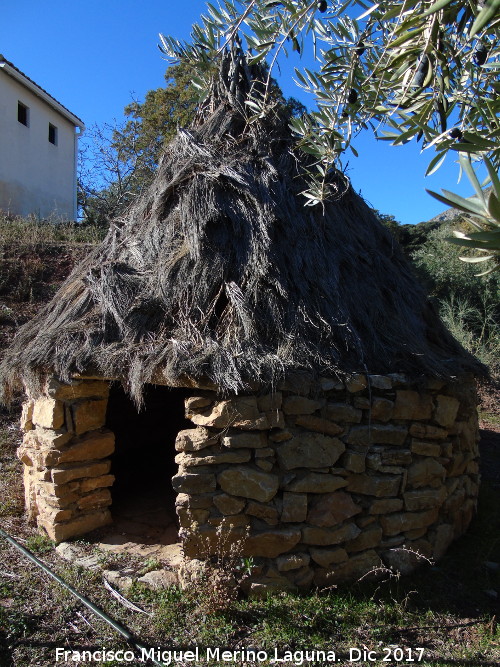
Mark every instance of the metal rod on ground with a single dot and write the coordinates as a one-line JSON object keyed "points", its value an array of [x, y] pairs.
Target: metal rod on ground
{"points": [[99, 612]]}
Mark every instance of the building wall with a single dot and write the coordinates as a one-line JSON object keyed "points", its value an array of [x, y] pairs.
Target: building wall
{"points": [[36, 177]]}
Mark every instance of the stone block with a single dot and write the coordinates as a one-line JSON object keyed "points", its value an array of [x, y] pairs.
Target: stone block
{"points": [[362, 402], [381, 409], [271, 543], [318, 424], [228, 504], [195, 439], [392, 524], [49, 438], [59, 490], [331, 509], [314, 482], [264, 464], [194, 483], [67, 473], [331, 384], [88, 415], [362, 566], [427, 472], [275, 419], [326, 536], [370, 538], [387, 434], [415, 534], [422, 499], [203, 501], [27, 415], [374, 485], [77, 526], [92, 446], [249, 483], [354, 461], [97, 499], [227, 413], [357, 382], [280, 436], [446, 410], [270, 402], [196, 403], [77, 389], [159, 580], [386, 506], [396, 457], [264, 453], [96, 483], [342, 412], [48, 413], [245, 440], [51, 513], [266, 513], [442, 540], [326, 557], [428, 432], [188, 460], [412, 405], [188, 516], [424, 448], [292, 561], [299, 405], [310, 450], [61, 503], [294, 507], [403, 559], [380, 382]]}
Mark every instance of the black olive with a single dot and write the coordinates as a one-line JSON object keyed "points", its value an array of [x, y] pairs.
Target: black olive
{"points": [[322, 5], [360, 48], [455, 133], [480, 54], [421, 73], [352, 97]]}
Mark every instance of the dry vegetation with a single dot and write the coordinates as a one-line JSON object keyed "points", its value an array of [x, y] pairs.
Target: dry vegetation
{"points": [[450, 609]]}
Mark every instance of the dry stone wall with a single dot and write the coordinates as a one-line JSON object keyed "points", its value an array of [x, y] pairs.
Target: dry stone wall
{"points": [[322, 488], [319, 484], [66, 452]]}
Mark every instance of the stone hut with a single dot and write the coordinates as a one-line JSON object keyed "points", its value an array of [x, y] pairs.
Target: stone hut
{"points": [[309, 402]]}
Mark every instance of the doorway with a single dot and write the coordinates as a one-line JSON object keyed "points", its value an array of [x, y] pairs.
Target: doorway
{"points": [[143, 464]]}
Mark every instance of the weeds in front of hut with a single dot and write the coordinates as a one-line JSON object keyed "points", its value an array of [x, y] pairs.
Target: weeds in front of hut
{"points": [[216, 581]]}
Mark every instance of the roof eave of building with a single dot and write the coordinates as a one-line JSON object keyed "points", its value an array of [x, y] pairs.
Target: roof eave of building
{"points": [[42, 94]]}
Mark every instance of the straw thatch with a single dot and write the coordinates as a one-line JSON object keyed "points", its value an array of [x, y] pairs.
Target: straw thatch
{"points": [[219, 271]]}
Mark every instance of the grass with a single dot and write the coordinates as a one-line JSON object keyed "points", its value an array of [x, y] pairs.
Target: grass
{"points": [[444, 609], [31, 232]]}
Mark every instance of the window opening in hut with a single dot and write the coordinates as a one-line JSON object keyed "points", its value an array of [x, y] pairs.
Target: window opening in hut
{"points": [[143, 504]]}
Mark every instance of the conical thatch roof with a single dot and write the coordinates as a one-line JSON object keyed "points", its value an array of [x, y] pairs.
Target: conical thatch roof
{"points": [[220, 271]]}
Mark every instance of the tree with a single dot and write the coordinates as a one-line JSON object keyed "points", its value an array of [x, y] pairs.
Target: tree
{"points": [[415, 70], [118, 161]]}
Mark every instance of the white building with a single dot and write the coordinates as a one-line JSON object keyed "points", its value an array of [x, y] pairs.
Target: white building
{"points": [[38, 149]]}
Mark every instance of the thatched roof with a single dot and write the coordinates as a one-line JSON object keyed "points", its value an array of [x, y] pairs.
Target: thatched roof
{"points": [[219, 271]]}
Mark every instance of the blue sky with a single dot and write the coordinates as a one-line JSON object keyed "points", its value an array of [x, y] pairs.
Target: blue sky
{"points": [[95, 56]]}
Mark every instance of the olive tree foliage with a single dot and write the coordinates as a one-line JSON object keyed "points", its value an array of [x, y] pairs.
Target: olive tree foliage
{"points": [[419, 70]]}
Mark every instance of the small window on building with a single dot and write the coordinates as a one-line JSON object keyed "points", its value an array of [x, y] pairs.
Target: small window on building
{"points": [[53, 134], [23, 114]]}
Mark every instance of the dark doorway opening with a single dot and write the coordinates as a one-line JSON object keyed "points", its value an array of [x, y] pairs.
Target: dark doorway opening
{"points": [[143, 505]]}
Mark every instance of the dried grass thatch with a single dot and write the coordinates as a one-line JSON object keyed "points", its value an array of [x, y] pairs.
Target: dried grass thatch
{"points": [[219, 271]]}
